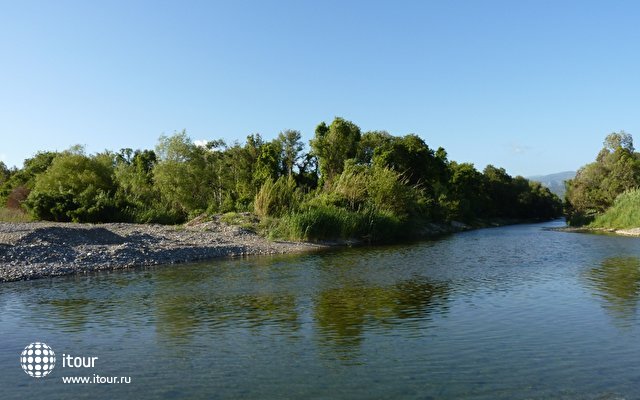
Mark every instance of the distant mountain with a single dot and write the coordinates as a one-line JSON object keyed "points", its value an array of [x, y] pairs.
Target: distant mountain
{"points": [[555, 182]]}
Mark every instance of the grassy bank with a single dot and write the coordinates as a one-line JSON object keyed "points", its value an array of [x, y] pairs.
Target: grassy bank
{"points": [[623, 214], [335, 225]]}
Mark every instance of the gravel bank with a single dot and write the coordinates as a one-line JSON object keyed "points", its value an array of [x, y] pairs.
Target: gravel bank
{"points": [[43, 249], [635, 232]]}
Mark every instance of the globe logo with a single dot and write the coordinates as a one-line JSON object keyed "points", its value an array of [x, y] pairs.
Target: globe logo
{"points": [[38, 359]]}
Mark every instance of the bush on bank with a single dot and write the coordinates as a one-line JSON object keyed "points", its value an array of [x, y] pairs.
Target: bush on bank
{"points": [[624, 213]]}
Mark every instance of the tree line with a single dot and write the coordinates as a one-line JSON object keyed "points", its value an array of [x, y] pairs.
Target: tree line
{"points": [[371, 185]]}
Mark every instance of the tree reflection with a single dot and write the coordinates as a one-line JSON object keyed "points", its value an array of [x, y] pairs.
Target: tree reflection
{"points": [[71, 314], [617, 281], [200, 300], [79, 304], [343, 315], [181, 316]]}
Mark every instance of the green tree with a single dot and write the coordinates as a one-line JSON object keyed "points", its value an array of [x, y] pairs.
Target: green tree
{"points": [[239, 163], [411, 156], [17, 186], [5, 173], [74, 188], [616, 140], [268, 163], [333, 145], [371, 142], [37, 164], [498, 189], [467, 193], [596, 185], [291, 143], [137, 193], [187, 175]]}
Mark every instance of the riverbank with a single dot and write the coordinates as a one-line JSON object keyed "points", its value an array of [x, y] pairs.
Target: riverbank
{"points": [[43, 249], [634, 232], [32, 250]]}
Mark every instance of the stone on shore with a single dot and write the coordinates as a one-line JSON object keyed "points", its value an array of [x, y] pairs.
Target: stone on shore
{"points": [[42, 249]]}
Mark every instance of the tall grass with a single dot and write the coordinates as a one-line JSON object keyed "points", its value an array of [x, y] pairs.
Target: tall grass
{"points": [[13, 215], [275, 198], [330, 222], [624, 213]]}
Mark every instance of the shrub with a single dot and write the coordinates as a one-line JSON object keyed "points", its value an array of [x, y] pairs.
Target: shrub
{"points": [[74, 188], [330, 222], [624, 213], [276, 198], [389, 192], [360, 187], [160, 214], [351, 186]]}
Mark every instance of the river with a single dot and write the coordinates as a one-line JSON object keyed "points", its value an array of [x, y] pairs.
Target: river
{"points": [[517, 312]]}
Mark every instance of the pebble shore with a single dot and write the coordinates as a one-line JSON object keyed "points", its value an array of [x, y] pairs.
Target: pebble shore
{"points": [[44, 249], [633, 232]]}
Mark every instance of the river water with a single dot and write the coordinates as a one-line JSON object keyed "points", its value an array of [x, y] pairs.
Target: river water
{"points": [[518, 312]]}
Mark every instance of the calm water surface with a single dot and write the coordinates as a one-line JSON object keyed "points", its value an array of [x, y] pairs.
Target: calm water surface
{"points": [[517, 312]]}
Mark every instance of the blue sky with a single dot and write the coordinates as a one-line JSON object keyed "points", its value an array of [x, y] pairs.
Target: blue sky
{"points": [[533, 86]]}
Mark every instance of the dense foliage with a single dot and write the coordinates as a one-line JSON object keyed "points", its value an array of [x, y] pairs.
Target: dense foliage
{"points": [[350, 184], [624, 213], [598, 184]]}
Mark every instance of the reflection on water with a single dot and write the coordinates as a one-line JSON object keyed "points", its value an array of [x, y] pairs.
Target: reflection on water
{"points": [[190, 301], [73, 313], [185, 306], [617, 281], [506, 313], [179, 317], [343, 314]]}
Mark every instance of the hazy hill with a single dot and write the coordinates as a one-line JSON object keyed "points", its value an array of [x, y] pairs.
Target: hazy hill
{"points": [[555, 182]]}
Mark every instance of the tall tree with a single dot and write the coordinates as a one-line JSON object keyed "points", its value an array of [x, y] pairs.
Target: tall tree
{"points": [[616, 140], [188, 175], [291, 142], [596, 185], [333, 145]]}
